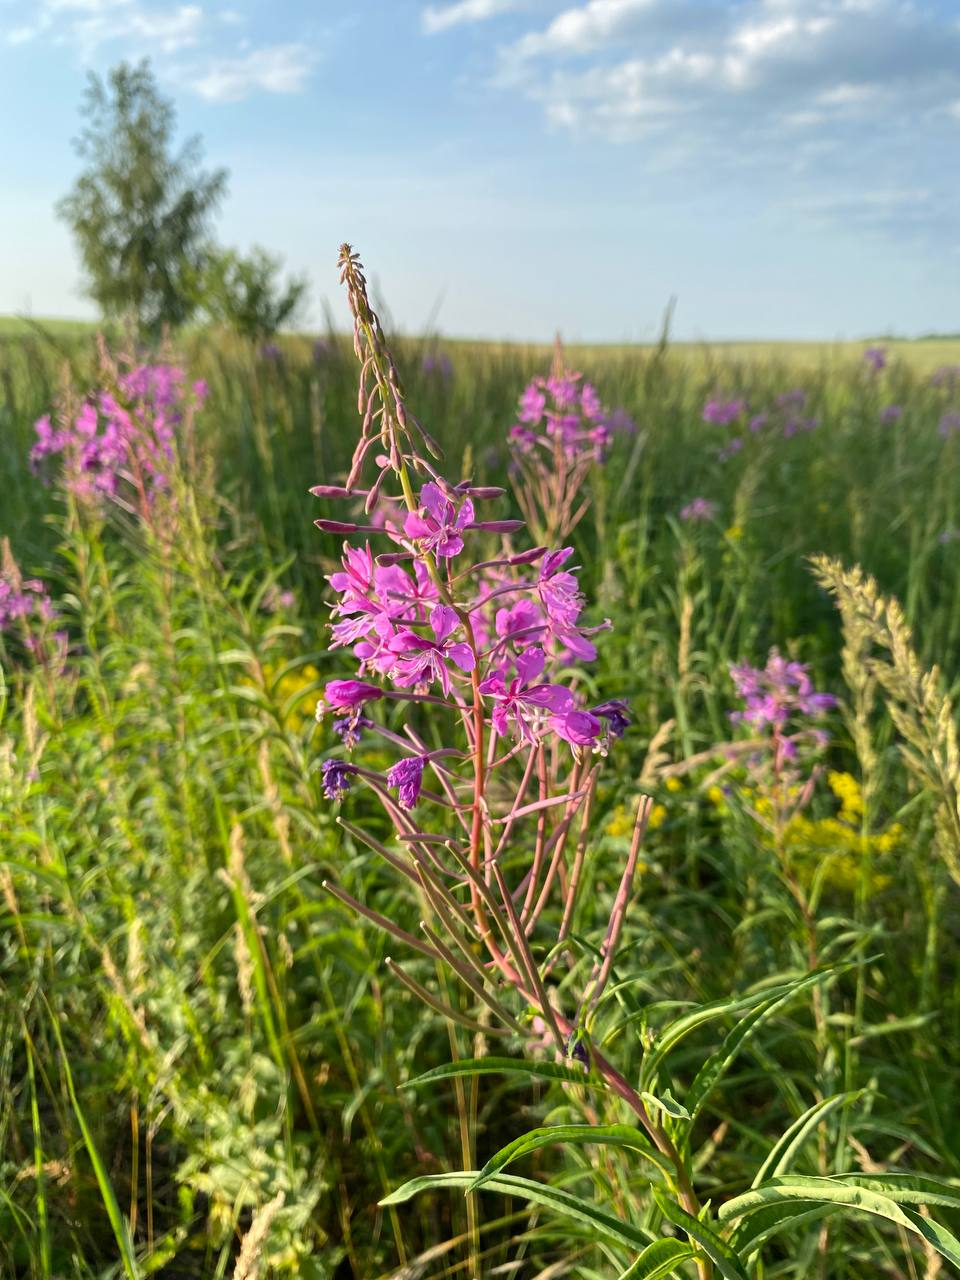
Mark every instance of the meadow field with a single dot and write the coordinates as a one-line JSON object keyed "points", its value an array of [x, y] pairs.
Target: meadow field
{"points": [[206, 1058]]}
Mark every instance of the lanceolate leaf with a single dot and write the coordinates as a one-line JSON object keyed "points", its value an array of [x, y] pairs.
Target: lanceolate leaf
{"points": [[671, 1035], [788, 1146], [500, 1066], [658, 1260], [846, 1194], [701, 1233], [553, 1198], [611, 1135], [755, 1229], [716, 1066]]}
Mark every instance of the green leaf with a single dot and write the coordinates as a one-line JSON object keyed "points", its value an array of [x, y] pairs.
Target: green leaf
{"points": [[559, 1201], [611, 1135], [717, 1065], [667, 1104], [756, 1228], [713, 1245], [847, 1193], [674, 1032], [788, 1146], [906, 1188], [500, 1066], [658, 1260]]}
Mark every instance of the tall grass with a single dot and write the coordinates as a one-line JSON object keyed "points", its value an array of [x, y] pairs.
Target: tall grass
{"points": [[204, 1057]]}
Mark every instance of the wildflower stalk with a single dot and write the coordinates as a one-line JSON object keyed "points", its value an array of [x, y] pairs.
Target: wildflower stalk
{"points": [[492, 681]]}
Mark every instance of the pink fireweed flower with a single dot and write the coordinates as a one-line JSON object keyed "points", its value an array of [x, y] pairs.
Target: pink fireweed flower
{"points": [[559, 590], [355, 582], [533, 402], [440, 529], [579, 728], [698, 509], [778, 692], [404, 597], [350, 694], [407, 777], [723, 412], [522, 701], [422, 661]]}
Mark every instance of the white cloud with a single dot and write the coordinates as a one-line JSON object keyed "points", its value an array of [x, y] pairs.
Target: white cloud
{"points": [[618, 66], [435, 18], [88, 24], [162, 28], [281, 68], [587, 27]]}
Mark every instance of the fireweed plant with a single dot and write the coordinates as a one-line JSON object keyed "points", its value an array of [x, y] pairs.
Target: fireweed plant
{"points": [[493, 831], [561, 436]]}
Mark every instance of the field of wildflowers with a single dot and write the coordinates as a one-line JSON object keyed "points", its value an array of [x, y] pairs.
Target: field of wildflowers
{"points": [[510, 830]]}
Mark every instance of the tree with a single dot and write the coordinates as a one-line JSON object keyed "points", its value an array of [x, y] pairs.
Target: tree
{"points": [[140, 211], [246, 294]]}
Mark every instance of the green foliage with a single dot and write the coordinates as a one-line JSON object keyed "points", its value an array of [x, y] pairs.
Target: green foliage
{"points": [[140, 211], [245, 293], [237, 1048]]}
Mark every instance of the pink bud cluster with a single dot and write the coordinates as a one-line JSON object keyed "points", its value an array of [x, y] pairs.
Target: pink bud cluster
{"points": [[120, 440]]}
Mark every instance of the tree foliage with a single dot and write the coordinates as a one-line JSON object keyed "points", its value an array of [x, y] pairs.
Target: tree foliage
{"points": [[140, 210], [246, 294]]}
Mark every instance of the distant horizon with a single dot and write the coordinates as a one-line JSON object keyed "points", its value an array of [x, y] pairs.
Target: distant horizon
{"points": [[314, 331]]}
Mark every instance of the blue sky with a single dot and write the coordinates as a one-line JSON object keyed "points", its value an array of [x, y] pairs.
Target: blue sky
{"points": [[785, 168]]}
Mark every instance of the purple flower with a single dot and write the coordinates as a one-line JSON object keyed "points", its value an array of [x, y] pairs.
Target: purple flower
{"points": [[949, 425], [730, 449], [441, 528], [698, 509], [522, 701], [619, 422], [423, 661], [892, 413], [350, 694], [407, 776], [563, 388], [559, 590], [347, 728], [579, 728], [948, 375], [533, 402], [337, 778], [590, 402], [777, 693], [876, 358], [437, 364], [616, 715], [723, 412]]}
